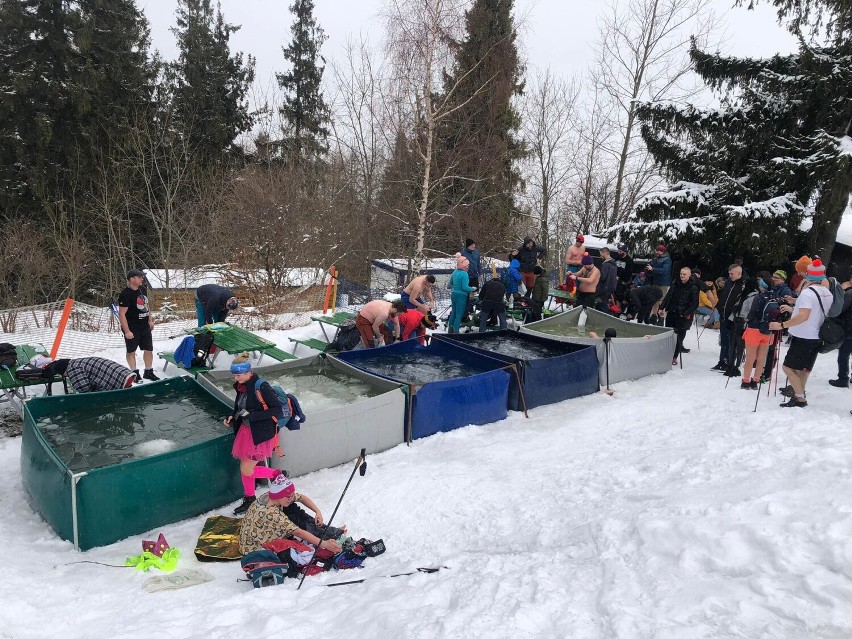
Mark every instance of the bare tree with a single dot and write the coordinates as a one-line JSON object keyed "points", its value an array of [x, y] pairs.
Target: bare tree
{"points": [[420, 35], [549, 130], [642, 54]]}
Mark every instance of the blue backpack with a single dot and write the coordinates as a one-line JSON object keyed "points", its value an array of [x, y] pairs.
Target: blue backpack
{"points": [[763, 310], [291, 415], [185, 352], [264, 568]]}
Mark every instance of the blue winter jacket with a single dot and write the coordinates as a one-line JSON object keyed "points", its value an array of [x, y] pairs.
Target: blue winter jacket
{"points": [[515, 276], [459, 282], [475, 268], [662, 270]]}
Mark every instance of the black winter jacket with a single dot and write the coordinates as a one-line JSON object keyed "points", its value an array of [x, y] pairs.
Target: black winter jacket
{"points": [[263, 422], [492, 291], [609, 278], [681, 299], [730, 299], [528, 257], [214, 298]]}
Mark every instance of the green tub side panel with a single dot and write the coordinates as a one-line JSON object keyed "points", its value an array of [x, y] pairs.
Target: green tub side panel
{"points": [[117, 501], [135, 496], [46, 479]]}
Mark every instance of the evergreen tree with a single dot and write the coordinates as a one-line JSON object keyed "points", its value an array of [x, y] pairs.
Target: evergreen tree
{"points": [[117, 77], [478, 148], [209, 84], [747, 175], [38, 128], [304, 112]]}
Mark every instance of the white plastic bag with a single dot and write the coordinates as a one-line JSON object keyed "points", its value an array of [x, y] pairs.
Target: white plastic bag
{"points": [[522, 289]]}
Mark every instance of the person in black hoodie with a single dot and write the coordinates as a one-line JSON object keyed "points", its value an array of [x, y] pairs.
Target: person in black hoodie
{"points": [[528, 255], [730, 300], [607, 282], [680, 301], [491, 303]]}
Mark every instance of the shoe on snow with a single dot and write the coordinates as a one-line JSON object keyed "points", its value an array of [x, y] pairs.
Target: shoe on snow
{"points": [[243, 507]]}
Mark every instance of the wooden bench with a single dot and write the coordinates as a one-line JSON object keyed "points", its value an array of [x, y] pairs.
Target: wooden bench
{"points": [[336, 320], [277, 353], [316, 344], [169, 358]]}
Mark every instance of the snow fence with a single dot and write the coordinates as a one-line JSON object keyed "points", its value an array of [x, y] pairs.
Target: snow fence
{"points": [[636, 351], [334, 435], [480, 397], [571, 370], [98, 506]]}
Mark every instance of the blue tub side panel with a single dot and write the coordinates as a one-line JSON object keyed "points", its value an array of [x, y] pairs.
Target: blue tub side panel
{"points": [[551, 380], [445, 406]]}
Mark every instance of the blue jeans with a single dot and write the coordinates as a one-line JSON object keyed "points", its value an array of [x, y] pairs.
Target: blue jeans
{"points": [[843, 358], [712, 312]]}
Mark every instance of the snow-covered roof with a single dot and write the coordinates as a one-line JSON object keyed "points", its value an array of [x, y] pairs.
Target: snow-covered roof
{"points": [[434, 263], [213, 274]]}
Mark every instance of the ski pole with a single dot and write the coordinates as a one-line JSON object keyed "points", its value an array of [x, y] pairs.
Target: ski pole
{"points": [[361, 466]]}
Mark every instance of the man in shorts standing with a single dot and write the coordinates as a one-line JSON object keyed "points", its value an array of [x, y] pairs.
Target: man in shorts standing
{"points": [[804, 325], [136, 324]]}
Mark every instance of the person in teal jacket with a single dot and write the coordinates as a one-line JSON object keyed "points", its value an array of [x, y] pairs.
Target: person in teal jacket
{"points": [[461, 290]]}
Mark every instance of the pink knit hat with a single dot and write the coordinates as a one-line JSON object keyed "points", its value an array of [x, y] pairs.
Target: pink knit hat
{"points": [[281, 487], [462, 262]]}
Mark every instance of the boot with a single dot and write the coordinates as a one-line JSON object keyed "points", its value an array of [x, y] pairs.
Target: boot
{"points": [[732, 371], [721, 366], [684, 350], [794, 402], [243, 507], [149, 374], [138, 378], [840, 382]]}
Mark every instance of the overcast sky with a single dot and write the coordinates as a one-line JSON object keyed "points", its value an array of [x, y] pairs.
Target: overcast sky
{"points": [[557, 33]]}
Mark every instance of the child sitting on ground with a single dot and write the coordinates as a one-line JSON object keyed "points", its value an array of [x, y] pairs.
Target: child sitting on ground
{"points": [[276, 515]]}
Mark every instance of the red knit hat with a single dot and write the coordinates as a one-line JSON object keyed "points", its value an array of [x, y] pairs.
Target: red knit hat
{"points": [[816, 271], [281, 487], [662, 249], [580, 238]]}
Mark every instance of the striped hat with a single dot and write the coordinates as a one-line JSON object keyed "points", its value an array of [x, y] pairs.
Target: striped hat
{"points": [[816, 271]]}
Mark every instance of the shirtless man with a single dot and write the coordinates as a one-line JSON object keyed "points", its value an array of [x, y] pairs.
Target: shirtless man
{"points": [[412, 294]]}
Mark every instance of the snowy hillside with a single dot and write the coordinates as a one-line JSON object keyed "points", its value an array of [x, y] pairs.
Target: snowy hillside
{"points": [[669, 510]]}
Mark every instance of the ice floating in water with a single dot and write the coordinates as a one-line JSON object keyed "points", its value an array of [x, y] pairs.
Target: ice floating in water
{"points": [[104, 434], [153, 447]]}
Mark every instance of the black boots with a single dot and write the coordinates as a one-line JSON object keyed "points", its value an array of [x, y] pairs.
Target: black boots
{"points": [[243, 507], [149, 374]]}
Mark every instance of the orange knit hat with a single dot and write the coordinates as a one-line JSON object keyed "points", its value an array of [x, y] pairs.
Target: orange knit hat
{"points": [[803, 263]]}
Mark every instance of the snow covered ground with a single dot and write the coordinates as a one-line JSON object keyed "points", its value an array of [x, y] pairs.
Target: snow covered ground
{"points": [[669, 510]]}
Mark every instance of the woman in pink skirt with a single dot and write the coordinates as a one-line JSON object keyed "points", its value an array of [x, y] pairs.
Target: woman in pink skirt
{"points": [[255, 422]]}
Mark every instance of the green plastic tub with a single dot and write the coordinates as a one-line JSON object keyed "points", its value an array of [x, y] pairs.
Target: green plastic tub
{"points": [[100, 467]]}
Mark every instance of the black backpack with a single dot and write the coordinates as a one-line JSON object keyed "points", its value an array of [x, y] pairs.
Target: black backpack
{"points": [[8, 355], [203, 344], [347, 337]]}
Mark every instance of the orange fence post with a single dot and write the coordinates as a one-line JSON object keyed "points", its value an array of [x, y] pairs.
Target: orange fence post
{"points": [[334, 293], [331, 278], [63, 322]]}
